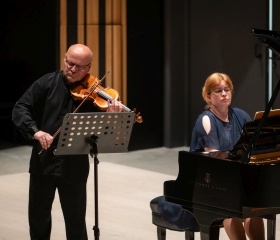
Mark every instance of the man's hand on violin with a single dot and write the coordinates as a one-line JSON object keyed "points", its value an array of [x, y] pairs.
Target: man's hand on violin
{"points": [[44, 138], [114, 106]]}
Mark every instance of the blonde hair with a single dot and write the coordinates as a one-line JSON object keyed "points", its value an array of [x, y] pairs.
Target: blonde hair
{"points": [[211, 82]]}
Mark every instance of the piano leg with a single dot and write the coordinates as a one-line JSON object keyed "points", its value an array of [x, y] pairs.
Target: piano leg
{"points": [[189, 235], [271, 227], [161, 233], [209, 233]]}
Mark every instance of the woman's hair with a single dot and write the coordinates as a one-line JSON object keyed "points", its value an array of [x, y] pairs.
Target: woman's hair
{"points": [[211, 82]]}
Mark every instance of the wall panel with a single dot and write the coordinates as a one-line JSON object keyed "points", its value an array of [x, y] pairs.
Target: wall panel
{"points": [[105, 36]]}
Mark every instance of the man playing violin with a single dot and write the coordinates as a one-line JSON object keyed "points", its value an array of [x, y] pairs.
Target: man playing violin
{"points": [[38, 114]]}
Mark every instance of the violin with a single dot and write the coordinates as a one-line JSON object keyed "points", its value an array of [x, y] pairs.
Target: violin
{"points": [[90, 89]]}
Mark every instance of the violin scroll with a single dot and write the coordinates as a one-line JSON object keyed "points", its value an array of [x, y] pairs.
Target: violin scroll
{"points": [[138, 117]]}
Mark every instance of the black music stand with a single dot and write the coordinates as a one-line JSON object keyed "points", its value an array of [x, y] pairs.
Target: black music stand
{"points": [[90, 133]]}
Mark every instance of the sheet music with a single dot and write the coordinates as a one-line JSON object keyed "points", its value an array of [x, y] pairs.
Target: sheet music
{"points": [[272, 113]]}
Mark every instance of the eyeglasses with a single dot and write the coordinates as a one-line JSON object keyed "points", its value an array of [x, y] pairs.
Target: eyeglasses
{"points": [[220, 91], [79, 67]]}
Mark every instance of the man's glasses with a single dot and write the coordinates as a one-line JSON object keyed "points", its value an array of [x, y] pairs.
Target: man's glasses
{"points": [[219, 91], [79, 67]]}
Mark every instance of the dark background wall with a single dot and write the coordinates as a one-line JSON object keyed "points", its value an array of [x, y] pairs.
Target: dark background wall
{"points": [[145, 76], [221, 41], [28, 34], [28, 48], [172, 46]]}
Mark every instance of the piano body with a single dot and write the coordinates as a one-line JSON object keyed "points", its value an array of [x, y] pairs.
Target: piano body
{"points": [[214, 189], [243, 182]]}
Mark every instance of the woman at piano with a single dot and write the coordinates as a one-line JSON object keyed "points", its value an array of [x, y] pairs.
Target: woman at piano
{"points": [[219, 127]]}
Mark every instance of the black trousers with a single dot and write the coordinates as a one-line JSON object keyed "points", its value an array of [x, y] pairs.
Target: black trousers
{"points": [[72, 196]]}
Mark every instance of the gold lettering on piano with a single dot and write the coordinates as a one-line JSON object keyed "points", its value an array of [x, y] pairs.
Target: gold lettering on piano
{"points": [[207, 177], [200, 184], [207, 183]]}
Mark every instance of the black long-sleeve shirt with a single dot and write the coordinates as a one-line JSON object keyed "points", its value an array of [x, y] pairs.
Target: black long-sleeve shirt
{"points": [[42, 107]]}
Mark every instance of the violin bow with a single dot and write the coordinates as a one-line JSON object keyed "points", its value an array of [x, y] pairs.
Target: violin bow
{"points": [[77, 108]]}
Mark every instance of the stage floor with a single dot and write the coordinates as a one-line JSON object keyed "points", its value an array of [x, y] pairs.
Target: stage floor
{"points": [[126, 181]]}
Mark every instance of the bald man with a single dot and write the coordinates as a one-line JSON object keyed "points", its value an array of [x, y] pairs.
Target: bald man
{"points": [[38, 114]]}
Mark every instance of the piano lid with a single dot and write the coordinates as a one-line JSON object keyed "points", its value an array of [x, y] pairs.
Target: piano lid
{"points": [[268, 37], [272, 40]]}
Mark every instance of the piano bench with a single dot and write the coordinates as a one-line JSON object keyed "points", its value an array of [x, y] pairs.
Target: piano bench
{"points": [[162, 224]]}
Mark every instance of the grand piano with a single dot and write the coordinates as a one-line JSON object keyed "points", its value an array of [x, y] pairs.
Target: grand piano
{"points": [[243, 182]]}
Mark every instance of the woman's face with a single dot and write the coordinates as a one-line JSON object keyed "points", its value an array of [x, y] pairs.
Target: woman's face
{"points": [[221, 95]]}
